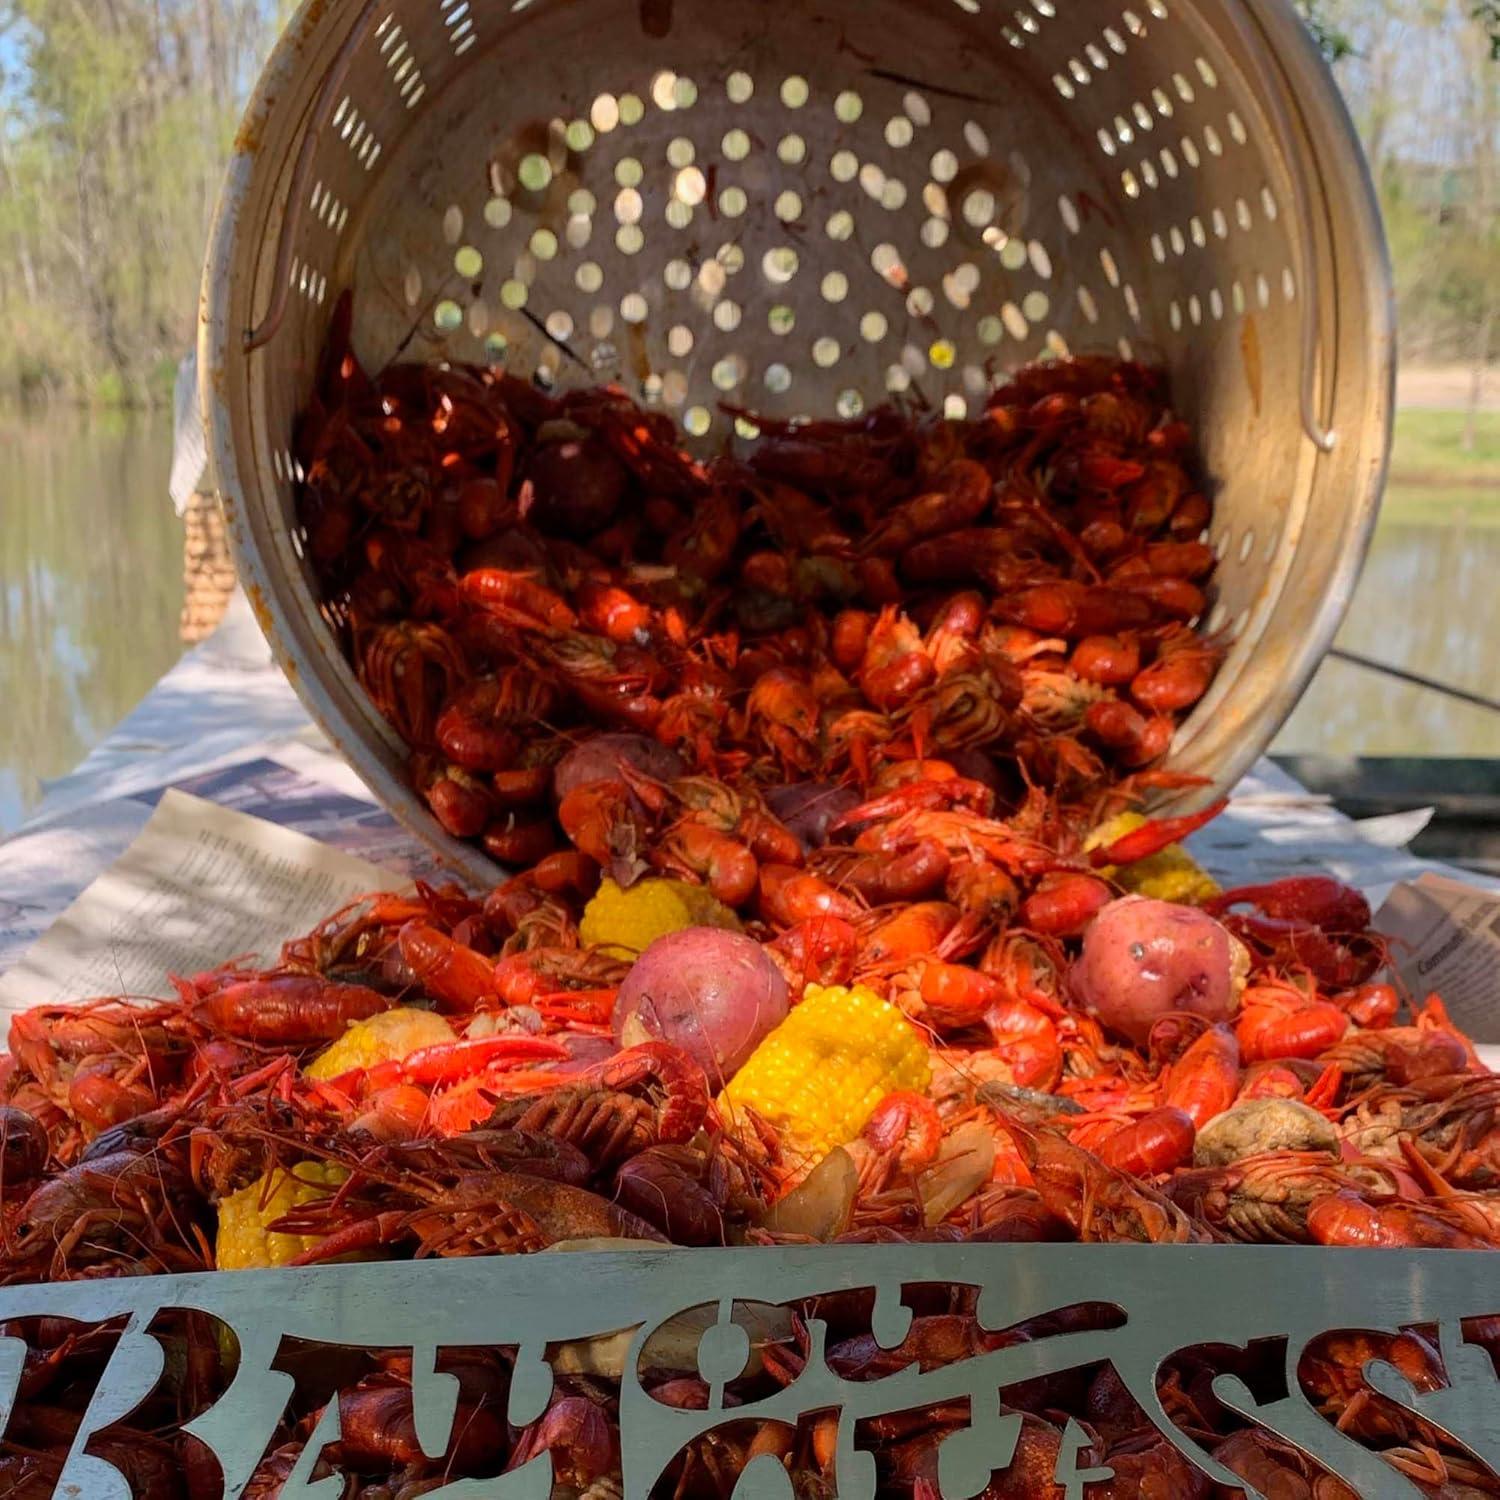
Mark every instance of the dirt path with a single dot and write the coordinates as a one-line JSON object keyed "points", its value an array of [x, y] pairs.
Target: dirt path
{"points": [[1443, 388]]}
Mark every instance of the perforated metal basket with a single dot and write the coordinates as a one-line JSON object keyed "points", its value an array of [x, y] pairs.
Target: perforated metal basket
{"points": [[800, 208]]}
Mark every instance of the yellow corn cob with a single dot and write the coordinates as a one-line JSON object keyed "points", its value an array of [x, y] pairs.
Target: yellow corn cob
{"points": [[628, 922], [243, 1242], [388, 1037], [819, 1075], [1169, 875]]}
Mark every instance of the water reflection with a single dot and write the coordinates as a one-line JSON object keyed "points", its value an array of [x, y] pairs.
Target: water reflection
{"points": [[1427, 601], [90, 587]]}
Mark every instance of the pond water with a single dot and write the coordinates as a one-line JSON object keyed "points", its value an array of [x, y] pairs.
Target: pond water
{"points": [[91, 586], [1427, 601]]}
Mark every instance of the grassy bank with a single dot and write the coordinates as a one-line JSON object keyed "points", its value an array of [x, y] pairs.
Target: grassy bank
{"points": [[1426, 505], [40, 390], [1434, 482], [1429, 450]]}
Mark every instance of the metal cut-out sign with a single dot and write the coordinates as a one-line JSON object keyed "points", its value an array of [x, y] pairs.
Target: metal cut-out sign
{"points": [[1038, 1312]]}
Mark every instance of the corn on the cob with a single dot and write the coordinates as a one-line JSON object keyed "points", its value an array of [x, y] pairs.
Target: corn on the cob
{"points": [[1169, 875], [387, 1037], [819, 1075], [629, 921], [243, 1242]]}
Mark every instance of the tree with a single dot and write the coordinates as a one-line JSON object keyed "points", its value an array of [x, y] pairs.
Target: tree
{"points": [[1476, 254], [114, 127], [1329, 34], [1487, 13]]}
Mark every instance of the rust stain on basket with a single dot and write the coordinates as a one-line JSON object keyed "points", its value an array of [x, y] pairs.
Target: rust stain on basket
{"points": [[257, 597], [247, 139], [261, 609], [1250, 358], [640, 358]]}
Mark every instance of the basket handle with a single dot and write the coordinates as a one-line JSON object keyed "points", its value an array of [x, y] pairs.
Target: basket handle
{"points": [[1262, 65], [291, 221]]}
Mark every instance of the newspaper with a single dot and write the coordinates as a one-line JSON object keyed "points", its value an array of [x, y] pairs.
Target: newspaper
{"points": [[44, 867], [1445, 937], [200, 884]]}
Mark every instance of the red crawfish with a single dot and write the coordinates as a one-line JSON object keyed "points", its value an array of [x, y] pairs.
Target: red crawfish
{"points": [[694, 1195], [580, 1436], [139, 1205], [1309, 922], [472, 1213], [287, 1009], [1099, 1202], [1275, 1467], [1267, 1198], [648, 1095], [410, 669], [378, 1429]]}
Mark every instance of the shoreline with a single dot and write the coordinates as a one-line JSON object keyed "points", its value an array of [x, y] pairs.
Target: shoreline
{"points": [[1442, 479]]}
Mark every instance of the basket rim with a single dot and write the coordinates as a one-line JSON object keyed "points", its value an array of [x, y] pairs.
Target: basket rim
{"points": [[1314, 99], [223, 368]]}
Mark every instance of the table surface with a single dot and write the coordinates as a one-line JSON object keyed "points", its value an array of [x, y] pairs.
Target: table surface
{"points": [[226, 702]]}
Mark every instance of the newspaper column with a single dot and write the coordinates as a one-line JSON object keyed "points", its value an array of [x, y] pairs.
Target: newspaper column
{"points": [[1445, 939]]}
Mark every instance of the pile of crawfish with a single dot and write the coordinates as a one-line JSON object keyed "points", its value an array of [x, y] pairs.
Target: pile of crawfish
{"points": [[511, 570], [1313, 1116], [874, 688], [1316, 1115]]}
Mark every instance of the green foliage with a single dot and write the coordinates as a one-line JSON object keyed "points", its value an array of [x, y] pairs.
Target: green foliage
{"points": [[109, 389], [1334, 42], [113, 132], [161, 381], [1487, 13], [1431, 442], [1446, 272], [1440, 203]]}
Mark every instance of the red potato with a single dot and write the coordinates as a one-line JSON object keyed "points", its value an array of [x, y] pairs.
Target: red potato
{"points": [[1143, 959], [809, 808], [577, 486], [713, 993], [977, 766], [584, 1052], [518, 549], [598, 759]]}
